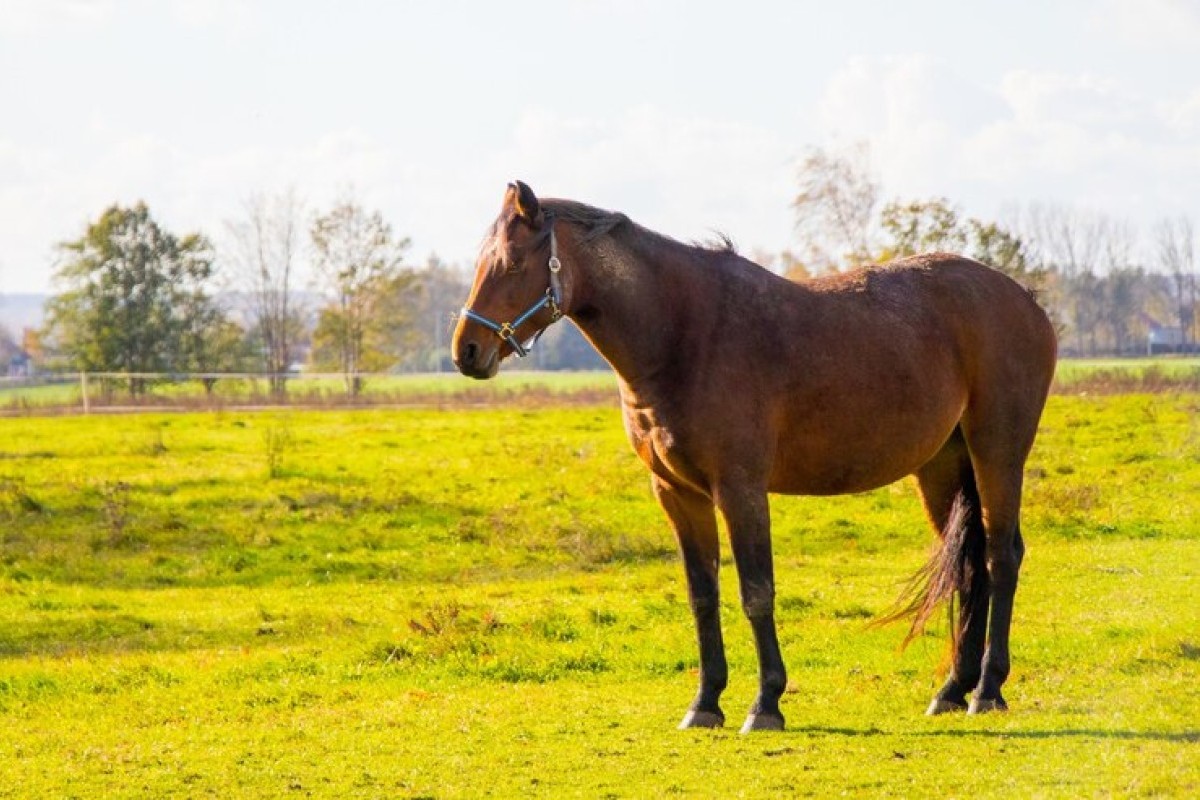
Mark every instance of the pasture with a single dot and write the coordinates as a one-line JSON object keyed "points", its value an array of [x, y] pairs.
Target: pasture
{"points": [[487, 602], [64, 392], [49, 394]]}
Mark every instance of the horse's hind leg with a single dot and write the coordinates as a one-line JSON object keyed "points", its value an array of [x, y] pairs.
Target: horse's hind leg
{"points": [[998, 448], [947, 485], [694, 520]]}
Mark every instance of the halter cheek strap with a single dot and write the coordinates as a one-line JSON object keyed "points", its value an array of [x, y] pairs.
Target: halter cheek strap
{"points": [[552, 298]]}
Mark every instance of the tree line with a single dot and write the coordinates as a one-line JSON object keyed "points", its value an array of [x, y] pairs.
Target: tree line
{"points": [[1106, 294], [136, 298]]}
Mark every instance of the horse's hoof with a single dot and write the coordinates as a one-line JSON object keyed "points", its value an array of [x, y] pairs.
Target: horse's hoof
{"points": [[982, 705], [763, 722], [702, 719], [940, 706]]}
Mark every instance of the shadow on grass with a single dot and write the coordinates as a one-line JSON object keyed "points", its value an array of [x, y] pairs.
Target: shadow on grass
{"points": [[1066, 733]]}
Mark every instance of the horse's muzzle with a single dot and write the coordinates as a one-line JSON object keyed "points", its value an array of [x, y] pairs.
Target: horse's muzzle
{"points": [[476, 361]]}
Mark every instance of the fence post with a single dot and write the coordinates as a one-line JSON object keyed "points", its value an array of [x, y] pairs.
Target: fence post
{"points": [[83, 387]]}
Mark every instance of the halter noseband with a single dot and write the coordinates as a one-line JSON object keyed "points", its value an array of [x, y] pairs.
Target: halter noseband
{"points": [[552, 298]]}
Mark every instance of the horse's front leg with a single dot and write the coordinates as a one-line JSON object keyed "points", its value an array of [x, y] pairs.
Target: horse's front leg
{"points": [[748, 517], [695, 524]]}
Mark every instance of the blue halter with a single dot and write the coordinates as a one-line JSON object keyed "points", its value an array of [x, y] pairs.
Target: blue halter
{"points": [[552, 298]]}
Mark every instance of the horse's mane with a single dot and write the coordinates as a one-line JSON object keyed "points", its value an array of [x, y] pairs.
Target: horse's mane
{"points": [[597, 222]]}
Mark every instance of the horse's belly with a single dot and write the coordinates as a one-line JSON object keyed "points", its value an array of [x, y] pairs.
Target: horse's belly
{"points": [[859, 453], [839, 477]]}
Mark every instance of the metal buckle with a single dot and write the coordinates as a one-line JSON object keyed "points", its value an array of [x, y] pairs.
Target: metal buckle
{"points": [[555, 264]]}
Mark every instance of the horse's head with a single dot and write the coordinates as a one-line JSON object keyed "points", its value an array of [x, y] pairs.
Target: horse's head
{"points": [[516, 292]]}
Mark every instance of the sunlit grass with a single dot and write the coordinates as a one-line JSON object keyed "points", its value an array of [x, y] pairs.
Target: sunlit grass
{"points": [[473, 603], [511, 386]]}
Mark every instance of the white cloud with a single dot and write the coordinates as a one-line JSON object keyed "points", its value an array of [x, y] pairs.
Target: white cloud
{"points": [[49, 17], [1182, 117], [1075, 138], [1150, 24], [914, 110], [39, 16], [1083, 140], [1095, 137], [235, 17], [1081, 100], [683, 175]]}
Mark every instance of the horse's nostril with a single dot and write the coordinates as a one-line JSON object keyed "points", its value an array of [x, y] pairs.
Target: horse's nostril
{"points": [[470, 353]]}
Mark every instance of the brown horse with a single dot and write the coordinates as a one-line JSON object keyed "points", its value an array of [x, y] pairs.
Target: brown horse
{"points": [[736, 382]]}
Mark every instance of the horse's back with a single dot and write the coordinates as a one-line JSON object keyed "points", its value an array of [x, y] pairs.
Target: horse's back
{"points": [[948, 302], [887, 360], [1006, 338]]}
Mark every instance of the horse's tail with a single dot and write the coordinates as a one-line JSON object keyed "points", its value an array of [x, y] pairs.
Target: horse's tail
{"points": [[956, 566]]}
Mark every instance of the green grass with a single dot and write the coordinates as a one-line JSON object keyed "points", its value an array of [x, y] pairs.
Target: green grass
{"points": [[1174, 364], [432, 389], [18, 395], [510, 387], [473, 603], [1128, 375]]}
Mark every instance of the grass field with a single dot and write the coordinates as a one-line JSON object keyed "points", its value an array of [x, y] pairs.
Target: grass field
{"points": [[427, 389], [510, 387], [487, 603]]}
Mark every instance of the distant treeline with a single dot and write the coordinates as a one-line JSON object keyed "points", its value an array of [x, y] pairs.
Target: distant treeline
{"points": [[1111, 289], [135, 297]]}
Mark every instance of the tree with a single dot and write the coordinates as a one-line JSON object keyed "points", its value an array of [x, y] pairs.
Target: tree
{"points": [[263, 253], [921, 226], [359, 260], [786, 263], [1123, 290], [565, 347], [221, 346], [1073, 243], [1175, 244], [835, 206], [31, 343], [1002, 249], [8, 347], [135, 297], [387, 338], [426, 314]]}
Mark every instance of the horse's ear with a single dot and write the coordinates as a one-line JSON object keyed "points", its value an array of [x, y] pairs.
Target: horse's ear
{"points": [[524, 202]]}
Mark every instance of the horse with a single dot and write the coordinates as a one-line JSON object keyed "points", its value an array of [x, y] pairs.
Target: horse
{"points": [[735, 383]]}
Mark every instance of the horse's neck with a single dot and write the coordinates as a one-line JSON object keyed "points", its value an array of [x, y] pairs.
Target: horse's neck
{"points": [[620, 308]]}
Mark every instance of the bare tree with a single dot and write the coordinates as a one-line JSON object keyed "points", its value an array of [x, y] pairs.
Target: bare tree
{"points": [[264, 251], [359, 261], [1174, 240], [1117, 295], [835, 206], [8, 347], [1125, 288], [1073, 242]]}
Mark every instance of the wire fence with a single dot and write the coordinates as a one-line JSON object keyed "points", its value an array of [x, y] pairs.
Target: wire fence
{"points": [[115, 392]]}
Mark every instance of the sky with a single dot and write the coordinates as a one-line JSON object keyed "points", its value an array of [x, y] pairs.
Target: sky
{"points": [[691, 117]]}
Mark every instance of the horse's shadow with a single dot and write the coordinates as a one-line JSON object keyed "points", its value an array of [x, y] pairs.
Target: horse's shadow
{"points": [[1190, 736]]}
